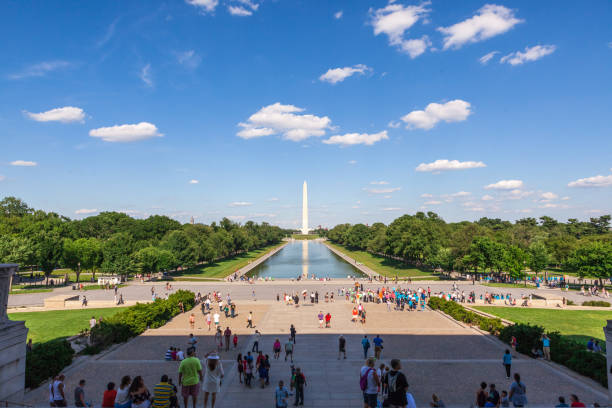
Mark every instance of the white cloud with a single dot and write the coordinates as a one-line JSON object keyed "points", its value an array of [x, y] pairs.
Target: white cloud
{"points": [[24, 163], [194, 181], [262, 215], [395, 19], [475, 209], [350, 139], [240, 204], [272, 199], [40, 69], [426, 195], [379, 183], [286, 120], [549, 196], [66, 114], [394, 124], [382, 190], [352, 162], [86, 211], [461, 194], [595, 181], [487, 57], [206, 6], [453, 111], [517, 194], [432, 202], [335, 75], [392, 209], [239, 11], [565, 198], [145, 75], [443, 165], [505, 185], [126, 133], [338, 15], [530, 54], [189, 59], [415, 46], [486, 197], [489, 21]]}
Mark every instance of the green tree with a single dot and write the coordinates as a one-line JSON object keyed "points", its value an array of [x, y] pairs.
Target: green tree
{"points": [[514, 261], [48, 251], [593, 259], [539, 257], [182, 248], [117, 255]]}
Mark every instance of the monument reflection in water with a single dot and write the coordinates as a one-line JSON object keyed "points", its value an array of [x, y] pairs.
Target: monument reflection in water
{"points": [[307, 259]]}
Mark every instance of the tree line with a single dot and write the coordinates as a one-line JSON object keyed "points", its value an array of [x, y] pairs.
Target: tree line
{"points": [[488, 245], [115, 243]]}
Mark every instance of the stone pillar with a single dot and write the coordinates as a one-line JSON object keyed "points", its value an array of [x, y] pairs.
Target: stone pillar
{"points": [[608, 334], [13, 336]]}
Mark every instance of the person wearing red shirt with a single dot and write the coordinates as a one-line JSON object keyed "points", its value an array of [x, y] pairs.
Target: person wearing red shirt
{"points": [[108, 399]]}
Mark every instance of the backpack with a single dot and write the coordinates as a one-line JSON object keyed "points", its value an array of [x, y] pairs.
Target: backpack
{"points": [[363, 381]]}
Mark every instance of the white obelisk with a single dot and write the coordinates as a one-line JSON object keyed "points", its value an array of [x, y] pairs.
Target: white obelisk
{"points": [[305, 209]]}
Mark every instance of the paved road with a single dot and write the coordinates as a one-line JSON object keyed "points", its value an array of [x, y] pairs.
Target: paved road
{"points": [[269, 290]]}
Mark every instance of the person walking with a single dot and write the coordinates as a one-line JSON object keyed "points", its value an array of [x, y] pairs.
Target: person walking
{"points": [[293, 332], [281, 395], [507, 361], [369, 383], [190, 375], [79, 395], [57, 392], [211, 384], [250, 320], [289, 349], [276, 348], [378, 346], [299, 382], [255, 348], [208, 320], [240, 366], [396, 385], [341, 347], [518, 392], [227, 334], [546, 346], [192, 321], [365, 343]]}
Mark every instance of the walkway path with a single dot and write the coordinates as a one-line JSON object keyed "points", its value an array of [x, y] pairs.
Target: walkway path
{"points": [[438, 356]]}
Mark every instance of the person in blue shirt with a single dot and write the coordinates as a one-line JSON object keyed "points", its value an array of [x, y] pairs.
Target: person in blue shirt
{"points": [[546, 346], [365, 343], [507, 361], [590, 345], [377, 346], [281, 395]]}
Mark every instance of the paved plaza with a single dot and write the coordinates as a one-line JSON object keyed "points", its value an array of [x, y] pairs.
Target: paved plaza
{"points": [[438, 356]]}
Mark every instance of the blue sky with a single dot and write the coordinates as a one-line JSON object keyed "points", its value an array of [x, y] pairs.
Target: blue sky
{"points": [[212, 108]]}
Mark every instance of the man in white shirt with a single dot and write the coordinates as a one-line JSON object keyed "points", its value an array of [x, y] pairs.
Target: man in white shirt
{"points": [[180, 355], [216, 319], [92, 322]]}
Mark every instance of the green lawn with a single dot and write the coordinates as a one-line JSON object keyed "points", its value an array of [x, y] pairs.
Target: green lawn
{"points": [[384, 266], [96, 287], [45, 326], [33, 290], [225, 267], [579, 324]]}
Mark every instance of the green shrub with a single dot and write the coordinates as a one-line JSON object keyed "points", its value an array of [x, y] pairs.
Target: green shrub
{"points": [[46, 360], [598, 303], [563, 350], [458, 312], [136, 319]]}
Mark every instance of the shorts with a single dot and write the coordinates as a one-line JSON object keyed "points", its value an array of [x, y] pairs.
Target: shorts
{"points": [[320, 321], [187, 390], [342, 350], [370, 400]]}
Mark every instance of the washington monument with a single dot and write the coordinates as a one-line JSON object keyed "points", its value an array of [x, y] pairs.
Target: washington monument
{"points": [[305, 209]]}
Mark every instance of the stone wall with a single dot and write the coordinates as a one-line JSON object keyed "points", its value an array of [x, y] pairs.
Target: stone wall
{"points": [[13, 336]]}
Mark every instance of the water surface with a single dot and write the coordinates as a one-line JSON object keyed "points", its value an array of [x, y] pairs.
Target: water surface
{"points": [[307, 259]]}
